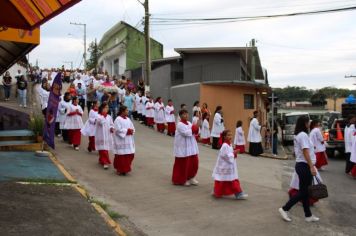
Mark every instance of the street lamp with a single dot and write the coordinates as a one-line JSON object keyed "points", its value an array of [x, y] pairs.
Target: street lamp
{"points": [[85, 42]]}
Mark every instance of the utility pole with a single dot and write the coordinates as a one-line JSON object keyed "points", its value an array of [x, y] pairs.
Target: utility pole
{"points": [[147, 43], [253, 60], [85, 42]]}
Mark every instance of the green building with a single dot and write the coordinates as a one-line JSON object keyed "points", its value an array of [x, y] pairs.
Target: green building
{"points": [[123, 48]]}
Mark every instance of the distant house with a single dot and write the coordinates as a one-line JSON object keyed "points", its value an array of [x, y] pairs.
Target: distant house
{"points": [[230, 77], [123, 48]]}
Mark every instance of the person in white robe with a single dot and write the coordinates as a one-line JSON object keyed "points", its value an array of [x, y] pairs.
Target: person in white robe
{"points": [[218, 127], [124, 144], [63, 107], [159, 115], [89, 126], [44, 96], [170, 118], [186, 152], [317, 140], [104, 129], [150, 112], [225, 173], [205, 130], [197, 123], [239, 140], [143, 108], [74, 123], [254, 136], [348, 138]]}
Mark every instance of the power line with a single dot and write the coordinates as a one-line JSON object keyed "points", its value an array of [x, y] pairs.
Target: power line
{"points": [[184, 21]]}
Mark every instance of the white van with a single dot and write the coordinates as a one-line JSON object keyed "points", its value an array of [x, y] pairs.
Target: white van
{"points": [[288, 126]]}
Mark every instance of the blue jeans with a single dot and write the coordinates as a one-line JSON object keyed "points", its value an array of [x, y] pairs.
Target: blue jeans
{"points": [[22, 97], [7, 90]]}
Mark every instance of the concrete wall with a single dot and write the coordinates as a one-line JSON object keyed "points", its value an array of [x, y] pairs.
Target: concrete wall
{"points": [[160, 83], [187, 93], [211, 67], [231, 98], [330, 104]]}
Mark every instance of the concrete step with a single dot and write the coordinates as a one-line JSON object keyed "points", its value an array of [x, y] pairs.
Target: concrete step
{"points": [[16, 135], [20, 145]]}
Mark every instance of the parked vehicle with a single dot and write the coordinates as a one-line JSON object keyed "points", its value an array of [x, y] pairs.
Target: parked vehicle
{"points": [[288, 126], [328, 119], [334, 137]]}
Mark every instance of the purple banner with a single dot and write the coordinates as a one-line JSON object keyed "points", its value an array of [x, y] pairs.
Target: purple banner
{"points": [[52, 107]]}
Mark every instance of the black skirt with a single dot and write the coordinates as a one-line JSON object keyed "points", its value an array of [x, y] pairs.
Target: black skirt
{"points": [[255, 149]]}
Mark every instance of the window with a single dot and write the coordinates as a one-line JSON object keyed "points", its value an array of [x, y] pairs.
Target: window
{"points": [[249, 101]]}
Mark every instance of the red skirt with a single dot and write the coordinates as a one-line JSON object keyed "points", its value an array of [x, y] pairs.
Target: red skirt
{"points": [[74, 136], [353, 171], [292, 192], [206, 141], [104, 157], [241, 148], [321, 159], [122, 163], [91, 144], [160, 127], [225, 188], [171, 127], [185, 169], [150, 121]]}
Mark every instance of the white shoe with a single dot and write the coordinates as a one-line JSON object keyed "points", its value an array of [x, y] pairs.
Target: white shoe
{"points": [[193, 181], [20, 105], [187, 183], [284, 215], [24, 106], [241, 196], [76, 148], [312, 219], [106, 167]]}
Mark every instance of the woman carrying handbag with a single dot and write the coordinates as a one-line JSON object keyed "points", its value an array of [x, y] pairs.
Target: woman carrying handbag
{"points": [[304, 152]]}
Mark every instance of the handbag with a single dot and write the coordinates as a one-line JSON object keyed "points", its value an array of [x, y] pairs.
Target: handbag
{"points": [[317, 190]]}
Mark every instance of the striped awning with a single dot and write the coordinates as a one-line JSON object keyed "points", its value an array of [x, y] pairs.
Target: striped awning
{"points": [[29, 14]]}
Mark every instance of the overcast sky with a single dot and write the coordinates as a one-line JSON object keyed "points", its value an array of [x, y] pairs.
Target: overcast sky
{"points": [[312, 51]]}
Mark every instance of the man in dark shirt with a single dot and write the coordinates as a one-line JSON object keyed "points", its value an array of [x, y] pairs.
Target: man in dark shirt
{"points": [[6, 81], [22, 91]]}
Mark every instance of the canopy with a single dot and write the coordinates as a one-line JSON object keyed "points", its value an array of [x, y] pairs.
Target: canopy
{"points": [[29, 14]]}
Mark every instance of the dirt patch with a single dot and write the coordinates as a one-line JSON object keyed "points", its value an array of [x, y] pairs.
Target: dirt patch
{"points": [[47, 210]]}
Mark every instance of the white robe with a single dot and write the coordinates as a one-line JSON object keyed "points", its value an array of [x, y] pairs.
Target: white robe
{"points": [[150, 111], [185, 144], [225, 168], [74, 121], [218, 126], [123, 143], [353, 149], [205, 129], [348, 134], [44, 96], [63, 107], [239, 137], [138, 103], [294, 183], [195, 121], [103, 136], [254, 132], [169, 117], [317, 140], [159, 113], [89, 126], [143, 105]]}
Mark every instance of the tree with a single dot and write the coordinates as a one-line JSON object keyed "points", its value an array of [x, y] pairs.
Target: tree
{"points": [[95, 52], [318, 99]]}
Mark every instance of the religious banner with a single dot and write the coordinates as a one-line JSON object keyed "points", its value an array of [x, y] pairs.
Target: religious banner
{"points": [[52, 107]]}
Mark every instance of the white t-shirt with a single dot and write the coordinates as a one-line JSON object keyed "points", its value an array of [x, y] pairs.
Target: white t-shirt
{"points": [[302, 141]]}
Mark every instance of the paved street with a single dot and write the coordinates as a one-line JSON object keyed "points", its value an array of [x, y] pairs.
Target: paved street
{"points": [[155, 207]]}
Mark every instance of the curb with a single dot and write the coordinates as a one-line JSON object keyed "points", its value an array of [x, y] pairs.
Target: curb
{"points": [[113, 224]]}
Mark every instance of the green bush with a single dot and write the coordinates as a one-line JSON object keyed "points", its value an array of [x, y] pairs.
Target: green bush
{"points": [[37, 124]]}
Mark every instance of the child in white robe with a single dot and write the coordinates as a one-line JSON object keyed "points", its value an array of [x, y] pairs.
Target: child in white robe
{"points": [[239, 140], [63, 107], [159, 115], [74, 123], [225, 171], [196, 122], [205, 130], [186, 153], [89, 126], [104, 128], [150, 112], [170, 118], [124, 144], [318, 142]]}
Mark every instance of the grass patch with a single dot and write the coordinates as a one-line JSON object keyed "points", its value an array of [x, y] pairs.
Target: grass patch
{"points": [[114, 215], [103, 205], [106, 207], [45, 181]]}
